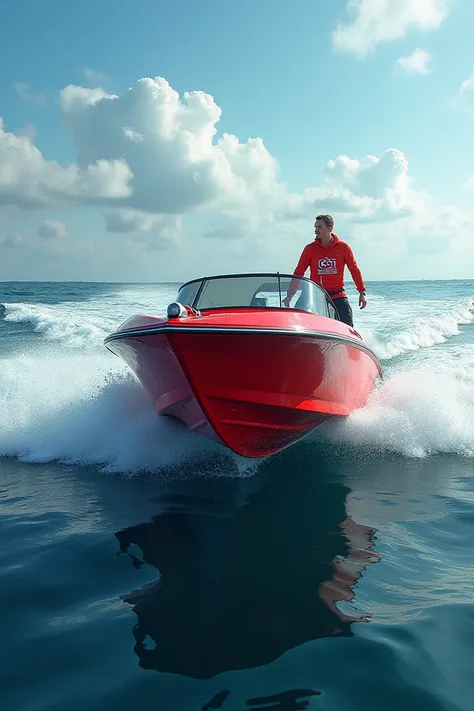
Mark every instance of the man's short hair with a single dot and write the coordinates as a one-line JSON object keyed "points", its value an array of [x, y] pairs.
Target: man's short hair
{"points": [[327, 219]]}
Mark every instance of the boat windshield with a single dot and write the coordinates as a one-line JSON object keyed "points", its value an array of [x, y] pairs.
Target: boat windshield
{"points": [[256, 291]]}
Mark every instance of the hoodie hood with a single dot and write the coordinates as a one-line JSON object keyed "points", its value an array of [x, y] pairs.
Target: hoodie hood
{"points": [[333, 243]]}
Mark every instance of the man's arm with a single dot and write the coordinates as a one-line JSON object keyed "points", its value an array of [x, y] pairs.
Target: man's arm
{"points": [[301, 267], [356, 276]]}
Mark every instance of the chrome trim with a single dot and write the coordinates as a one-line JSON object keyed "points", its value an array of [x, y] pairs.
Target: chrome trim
{"points": [[157, 330]]}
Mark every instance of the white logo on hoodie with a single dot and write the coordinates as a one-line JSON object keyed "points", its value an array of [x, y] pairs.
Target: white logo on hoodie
{"points": [[327, 266]]}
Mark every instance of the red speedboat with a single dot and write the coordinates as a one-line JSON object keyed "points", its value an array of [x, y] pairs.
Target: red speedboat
{"points": [[232, 362]]}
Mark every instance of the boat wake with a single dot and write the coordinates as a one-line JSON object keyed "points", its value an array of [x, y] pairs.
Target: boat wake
{"points": [[66, 324], [72, 402], [85, 410], [417, 413], [404, 335], [86, 324], [90, 411]]}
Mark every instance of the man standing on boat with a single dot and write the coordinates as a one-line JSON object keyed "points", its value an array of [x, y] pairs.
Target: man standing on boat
{"points": [[327, 256]]}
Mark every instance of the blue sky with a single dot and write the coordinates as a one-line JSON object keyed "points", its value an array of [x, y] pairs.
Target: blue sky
{"points": [[277, 71]]}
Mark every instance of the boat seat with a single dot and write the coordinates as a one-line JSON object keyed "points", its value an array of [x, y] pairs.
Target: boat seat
{"points": [[259, 301]]}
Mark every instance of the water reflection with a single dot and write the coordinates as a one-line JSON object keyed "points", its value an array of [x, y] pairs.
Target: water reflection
{"points": [[248, 569], [291, 700]]}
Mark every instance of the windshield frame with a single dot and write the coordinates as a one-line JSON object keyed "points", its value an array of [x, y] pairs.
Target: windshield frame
{"points": [[278, 276]]}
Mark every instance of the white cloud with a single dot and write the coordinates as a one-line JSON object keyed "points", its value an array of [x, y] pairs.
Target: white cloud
{"points": [[228, 226], [29, 131], [466, 93], [378, 21], [14, 241], [142, 156], [51, 229], [93, 77], [469, 184], [165, 230], [24, 92], [415, 63], [156, 155], [45, 241], [368, 190], [124, 220], [169, 145], [28, 180], [147, 159]]}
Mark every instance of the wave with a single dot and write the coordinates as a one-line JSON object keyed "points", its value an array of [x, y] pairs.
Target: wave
{"points": [[86, 324], [423, 331], [80, 405], [65, 324], [89, 410], [418, 412], [86, 410]]}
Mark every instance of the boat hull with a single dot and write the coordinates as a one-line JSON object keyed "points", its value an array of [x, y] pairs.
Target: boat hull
{"points": [[256, 392]]}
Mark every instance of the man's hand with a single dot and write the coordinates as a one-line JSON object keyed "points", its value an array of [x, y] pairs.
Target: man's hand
{"points": [[286, 301], [362, 301]]}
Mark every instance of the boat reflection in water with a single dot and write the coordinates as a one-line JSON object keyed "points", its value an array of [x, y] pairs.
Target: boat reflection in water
{"points": [[248, 569]]}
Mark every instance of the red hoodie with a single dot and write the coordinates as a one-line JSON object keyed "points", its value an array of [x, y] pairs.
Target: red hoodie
{"points": [[327, 266]]}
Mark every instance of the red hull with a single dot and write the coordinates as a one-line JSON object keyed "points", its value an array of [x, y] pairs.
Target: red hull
{"points": [[255, 382]]}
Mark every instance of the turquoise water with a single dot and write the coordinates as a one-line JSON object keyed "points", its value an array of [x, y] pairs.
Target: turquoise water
{"points": [[142, 567]]}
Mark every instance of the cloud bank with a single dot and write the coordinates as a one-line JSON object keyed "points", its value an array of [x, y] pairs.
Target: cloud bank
{"points": [[376, 22], [148, 159]]}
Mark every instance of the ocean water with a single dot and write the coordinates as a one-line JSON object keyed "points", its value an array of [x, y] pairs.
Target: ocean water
{"points": [[144, 568]]}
